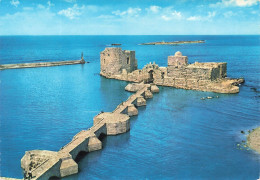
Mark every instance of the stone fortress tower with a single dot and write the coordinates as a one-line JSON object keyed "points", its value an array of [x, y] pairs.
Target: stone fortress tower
{"points": [[210, 76], [115, 61]]}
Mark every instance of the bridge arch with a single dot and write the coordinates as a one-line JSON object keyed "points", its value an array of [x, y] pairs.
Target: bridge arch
{"points": [[101, 136], [80, 156]]}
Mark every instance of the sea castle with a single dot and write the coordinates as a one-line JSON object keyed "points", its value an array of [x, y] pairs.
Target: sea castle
{"points": [[122, 65]]}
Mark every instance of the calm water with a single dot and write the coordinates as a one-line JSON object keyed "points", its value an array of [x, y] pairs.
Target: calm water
{"points": [[176, 136]]}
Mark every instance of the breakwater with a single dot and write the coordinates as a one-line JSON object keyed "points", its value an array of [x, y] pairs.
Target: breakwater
{"points": [[40, 64], [47, 164]]}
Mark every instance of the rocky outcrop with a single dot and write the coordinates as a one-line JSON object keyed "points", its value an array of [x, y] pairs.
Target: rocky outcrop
{"points": [[141, 101], [253, 139], [154, 89], [134, 87], [148, 94], [132, 110]]}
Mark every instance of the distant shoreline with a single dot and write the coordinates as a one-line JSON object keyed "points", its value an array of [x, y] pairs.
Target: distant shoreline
{"points": [[253, 139], [173, 42]]}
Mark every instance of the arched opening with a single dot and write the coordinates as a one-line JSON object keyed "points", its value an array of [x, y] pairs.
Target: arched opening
{"points": [[80, 156], [150, 79], [162, 75], [54, 178], [101, 136]]}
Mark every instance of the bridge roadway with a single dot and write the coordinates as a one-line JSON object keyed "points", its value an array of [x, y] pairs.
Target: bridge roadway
{"points": [[62, 163]]}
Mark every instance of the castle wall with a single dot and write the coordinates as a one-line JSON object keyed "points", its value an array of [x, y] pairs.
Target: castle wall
{"points": [[130, 63], [189, 72], [111, 61], [114, 60], [223, 70], [177, 61]]}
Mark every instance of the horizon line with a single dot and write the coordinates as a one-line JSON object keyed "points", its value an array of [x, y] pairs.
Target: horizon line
{"points": [[130, 35]]}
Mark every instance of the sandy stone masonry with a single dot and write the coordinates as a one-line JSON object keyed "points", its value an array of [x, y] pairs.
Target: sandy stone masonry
{"points": [[114, 60], [47, 164], [210, 76]]}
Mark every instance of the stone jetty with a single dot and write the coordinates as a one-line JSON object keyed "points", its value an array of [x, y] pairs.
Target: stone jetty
{"points": [[47, 164], [40, 64], [122, 65]]}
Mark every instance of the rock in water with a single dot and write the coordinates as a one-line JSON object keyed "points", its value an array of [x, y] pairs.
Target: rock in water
{"points": [[134, 87], [154, 89]]}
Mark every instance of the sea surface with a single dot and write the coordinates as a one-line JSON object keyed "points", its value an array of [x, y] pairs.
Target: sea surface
{"points": [[176, 136]]}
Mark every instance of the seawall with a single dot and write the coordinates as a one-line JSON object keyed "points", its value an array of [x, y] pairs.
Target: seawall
{"points": [[41, 64]]}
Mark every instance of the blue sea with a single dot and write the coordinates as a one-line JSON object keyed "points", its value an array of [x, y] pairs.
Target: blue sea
{"points": [[176, 136]]}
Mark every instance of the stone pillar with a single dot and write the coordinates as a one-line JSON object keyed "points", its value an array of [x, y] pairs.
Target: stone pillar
{"points": [[117, 123], [68, 166], [148, 94], [141, 101], [154, 89], [94, 144], [131, 110]]}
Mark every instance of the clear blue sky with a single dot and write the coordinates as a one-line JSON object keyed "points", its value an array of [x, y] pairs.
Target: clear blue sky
{"points": [[129, 17]]}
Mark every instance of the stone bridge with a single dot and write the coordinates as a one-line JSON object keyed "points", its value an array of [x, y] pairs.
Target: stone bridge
{"points": [[48, 164]]}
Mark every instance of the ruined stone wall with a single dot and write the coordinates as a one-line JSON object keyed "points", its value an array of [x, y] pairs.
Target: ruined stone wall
{"points": [[130, 62], [223, 70], [111, 61], [189, 72], [215, 70], [215, 73]]}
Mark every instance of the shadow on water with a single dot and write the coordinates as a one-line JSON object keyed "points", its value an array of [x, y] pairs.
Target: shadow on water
{"points": [[80, 156], [114, 141], [101, 137], [54, 178]]}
